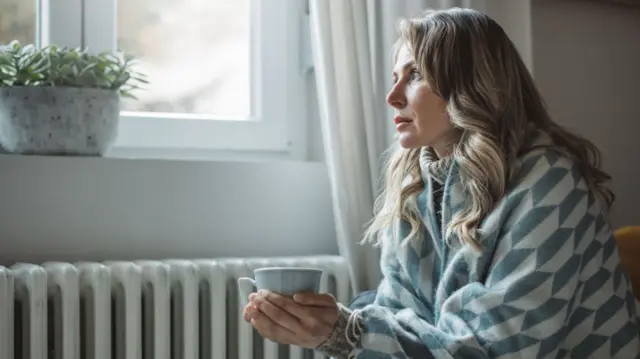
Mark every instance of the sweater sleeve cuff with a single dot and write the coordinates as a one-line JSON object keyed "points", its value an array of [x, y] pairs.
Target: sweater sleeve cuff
{"points": [[345, 336]]}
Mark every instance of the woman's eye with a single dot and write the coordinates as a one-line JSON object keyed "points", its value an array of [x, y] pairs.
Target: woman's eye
{"points": [[415, 75]]}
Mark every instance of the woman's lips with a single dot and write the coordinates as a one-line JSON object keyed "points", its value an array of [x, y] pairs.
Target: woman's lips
{"points": [[400, 120]]}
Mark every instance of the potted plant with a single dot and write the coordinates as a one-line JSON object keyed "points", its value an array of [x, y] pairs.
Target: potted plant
{"points": [[61, 101]]}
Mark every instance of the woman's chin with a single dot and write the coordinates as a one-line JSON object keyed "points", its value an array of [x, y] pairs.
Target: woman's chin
{"points": [[408, 140]]}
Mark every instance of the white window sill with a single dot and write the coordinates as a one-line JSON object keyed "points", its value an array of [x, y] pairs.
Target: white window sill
{"points": [[201, 155], [184, 155]]}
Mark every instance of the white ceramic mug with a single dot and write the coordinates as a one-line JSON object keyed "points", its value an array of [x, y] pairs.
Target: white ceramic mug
{"points": [[283, 280]]}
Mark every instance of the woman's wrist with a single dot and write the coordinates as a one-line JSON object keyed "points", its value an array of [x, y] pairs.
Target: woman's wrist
{"points": [[346, 334]]}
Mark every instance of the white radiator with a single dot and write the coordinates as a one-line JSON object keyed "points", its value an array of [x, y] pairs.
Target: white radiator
{"points": [[178, 309]]}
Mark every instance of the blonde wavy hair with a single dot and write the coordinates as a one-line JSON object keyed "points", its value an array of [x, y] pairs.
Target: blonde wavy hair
{"points": [[493, 102]]}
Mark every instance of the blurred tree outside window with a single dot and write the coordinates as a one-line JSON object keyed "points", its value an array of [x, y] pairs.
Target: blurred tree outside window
{"points": [[18, 21], [195, 52]]}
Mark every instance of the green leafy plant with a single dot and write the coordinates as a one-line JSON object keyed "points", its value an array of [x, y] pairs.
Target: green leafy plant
{"points": [[54, 66]]}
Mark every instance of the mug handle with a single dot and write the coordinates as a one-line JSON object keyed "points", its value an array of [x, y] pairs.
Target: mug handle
{"points": [[247, 280], [243, 284]]}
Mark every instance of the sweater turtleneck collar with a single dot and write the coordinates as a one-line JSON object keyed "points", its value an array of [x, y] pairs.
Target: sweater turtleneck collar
{"points": [[434, 167]]}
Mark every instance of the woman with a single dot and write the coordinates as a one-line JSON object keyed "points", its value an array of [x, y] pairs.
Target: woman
{"points": [[493, 222]]}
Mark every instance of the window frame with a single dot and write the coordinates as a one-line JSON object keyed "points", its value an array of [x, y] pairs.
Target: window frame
{"points": [[59, 22], [280, 53]]}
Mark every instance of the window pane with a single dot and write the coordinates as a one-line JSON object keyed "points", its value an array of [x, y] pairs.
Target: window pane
{"points": [[195, 53], [18, 21]]}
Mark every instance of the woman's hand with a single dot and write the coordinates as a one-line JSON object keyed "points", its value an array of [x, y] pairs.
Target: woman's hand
{"points": [[307, 320]]}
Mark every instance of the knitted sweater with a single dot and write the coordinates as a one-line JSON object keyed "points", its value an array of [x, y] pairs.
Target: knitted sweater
{"points": [[547, 284]]}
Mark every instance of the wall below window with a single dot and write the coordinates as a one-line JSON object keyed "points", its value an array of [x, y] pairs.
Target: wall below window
{"points": [[55, 208]]}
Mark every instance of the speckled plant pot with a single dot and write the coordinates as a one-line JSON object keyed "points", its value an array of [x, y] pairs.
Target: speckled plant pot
{"points": [[58, 120]]}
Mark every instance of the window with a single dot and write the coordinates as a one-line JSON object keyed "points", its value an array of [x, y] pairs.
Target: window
{"points": [[224, 75]]}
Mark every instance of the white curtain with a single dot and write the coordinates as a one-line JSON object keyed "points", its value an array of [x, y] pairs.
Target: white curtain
{"points": [[351, 41]]}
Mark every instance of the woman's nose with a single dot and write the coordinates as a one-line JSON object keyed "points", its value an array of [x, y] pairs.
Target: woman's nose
{"points": [[396, 98]]}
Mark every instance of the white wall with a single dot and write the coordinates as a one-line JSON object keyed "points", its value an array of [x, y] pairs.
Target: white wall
{"points": [[94, 209], [587, 64]]}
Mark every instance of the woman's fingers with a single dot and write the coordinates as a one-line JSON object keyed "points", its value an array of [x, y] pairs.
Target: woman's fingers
{"points": [[279, 315], [315, 299], [270, 329], [282, 302], [283, 320]]}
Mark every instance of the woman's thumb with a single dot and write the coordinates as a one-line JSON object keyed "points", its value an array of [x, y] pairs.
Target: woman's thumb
{"points": [[315, 299], [301, 298]]}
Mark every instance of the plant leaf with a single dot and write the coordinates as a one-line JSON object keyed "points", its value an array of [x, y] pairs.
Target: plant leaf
{"points": [[63, 66]]}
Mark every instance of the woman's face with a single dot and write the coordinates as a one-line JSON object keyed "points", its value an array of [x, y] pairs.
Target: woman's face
{"points": [[421, 118]]}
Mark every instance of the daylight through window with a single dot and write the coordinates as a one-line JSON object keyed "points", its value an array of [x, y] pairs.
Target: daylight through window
{"points": [[195, 53]]}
